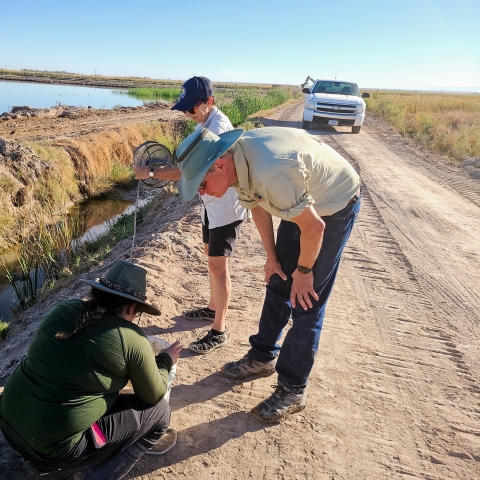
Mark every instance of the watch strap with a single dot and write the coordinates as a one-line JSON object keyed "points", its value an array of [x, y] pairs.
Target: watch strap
{"points": [[304, 269]]}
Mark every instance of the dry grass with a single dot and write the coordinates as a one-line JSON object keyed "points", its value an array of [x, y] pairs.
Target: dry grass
{"points": [[95, 156], [88, 165], [448, 124]]}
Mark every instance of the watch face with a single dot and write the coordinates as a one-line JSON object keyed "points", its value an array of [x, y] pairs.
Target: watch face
{"points": [[151, 174]]}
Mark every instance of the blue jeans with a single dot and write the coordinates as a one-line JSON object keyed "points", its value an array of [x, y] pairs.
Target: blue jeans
{"points": [[296, 357]]}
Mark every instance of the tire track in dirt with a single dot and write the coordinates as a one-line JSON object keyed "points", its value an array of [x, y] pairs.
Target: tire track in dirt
{"points": [[390, 325], [435, 342]]}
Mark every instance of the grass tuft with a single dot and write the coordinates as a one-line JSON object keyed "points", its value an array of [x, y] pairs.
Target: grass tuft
{"points": [[169, 94]]}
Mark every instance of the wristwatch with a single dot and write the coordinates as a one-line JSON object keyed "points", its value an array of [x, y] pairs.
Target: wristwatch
{"points": [[304, 269], [151, 174]]}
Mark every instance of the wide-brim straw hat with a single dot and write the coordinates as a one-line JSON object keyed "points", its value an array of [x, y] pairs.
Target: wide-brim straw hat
{"points": [[197, 153], [126, 280]]}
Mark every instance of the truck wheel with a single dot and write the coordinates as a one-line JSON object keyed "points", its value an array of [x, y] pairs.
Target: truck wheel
{"points": [[306, 125], [356, 129]]}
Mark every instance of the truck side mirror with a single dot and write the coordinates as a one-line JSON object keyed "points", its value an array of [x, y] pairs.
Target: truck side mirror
{"points": [[365, 95], [305, 90]]}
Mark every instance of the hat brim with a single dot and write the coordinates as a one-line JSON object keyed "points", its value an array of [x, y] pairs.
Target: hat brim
{"points": [[145, 307], [188, 188], [183, 105]]}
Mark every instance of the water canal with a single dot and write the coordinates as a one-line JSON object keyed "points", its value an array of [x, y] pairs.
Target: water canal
{"points": [[41, 95]]}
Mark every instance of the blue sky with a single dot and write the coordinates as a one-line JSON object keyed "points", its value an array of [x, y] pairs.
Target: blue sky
{"points": [[408, 44]]}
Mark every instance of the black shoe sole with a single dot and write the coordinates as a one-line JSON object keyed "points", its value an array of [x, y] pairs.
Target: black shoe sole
{"points": [[281, 418], [205, 352], [241, 377]]}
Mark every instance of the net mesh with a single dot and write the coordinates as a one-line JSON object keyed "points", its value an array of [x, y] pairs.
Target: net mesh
{"points": [[153, 155]]}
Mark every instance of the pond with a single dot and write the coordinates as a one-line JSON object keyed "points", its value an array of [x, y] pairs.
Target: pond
{"points": [[40, 95]]}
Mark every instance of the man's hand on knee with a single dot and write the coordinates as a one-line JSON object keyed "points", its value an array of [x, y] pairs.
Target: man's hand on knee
{"points": [[302, 289]]}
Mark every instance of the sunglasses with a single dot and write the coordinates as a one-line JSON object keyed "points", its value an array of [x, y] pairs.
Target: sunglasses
{"points": [[192, 110], [204, 183]]}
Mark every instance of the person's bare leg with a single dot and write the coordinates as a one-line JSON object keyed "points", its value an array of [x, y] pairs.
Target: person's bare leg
{"points": [[221, 286], [211, 302]]}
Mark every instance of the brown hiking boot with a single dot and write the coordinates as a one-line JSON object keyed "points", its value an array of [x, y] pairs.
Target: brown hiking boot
{"points": [[247, 366], [281, 404]]}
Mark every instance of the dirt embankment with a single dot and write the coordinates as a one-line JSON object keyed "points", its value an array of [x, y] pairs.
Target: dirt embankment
{"points": [[25, 123], [395, 390], [88, 80]]}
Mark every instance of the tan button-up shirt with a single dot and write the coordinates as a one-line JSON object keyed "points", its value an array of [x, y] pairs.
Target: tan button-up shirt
{"points": [[284, 170]]}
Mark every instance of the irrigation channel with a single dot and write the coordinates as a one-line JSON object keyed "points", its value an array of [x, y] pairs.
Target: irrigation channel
{"points": [[94, 218], [40, 95]]}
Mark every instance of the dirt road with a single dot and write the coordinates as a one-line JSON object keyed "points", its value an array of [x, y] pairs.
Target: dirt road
{"points": [[395, 391]]}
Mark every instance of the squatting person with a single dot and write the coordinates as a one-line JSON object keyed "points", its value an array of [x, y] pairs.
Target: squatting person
{"points": [[286, 173], [221, 217], [61, 408]]}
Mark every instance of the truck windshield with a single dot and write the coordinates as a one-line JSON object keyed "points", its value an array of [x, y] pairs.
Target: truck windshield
{"points": [[338, 88]]}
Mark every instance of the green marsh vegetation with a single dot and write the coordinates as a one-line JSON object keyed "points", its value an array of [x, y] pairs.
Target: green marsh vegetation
{"points": [[42, 258], [54, 252], [446, 123], [237, 103], [170, 94], [247, 101]]}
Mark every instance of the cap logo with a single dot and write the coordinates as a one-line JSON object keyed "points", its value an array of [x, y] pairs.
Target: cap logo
{"points": [[183, 92]]}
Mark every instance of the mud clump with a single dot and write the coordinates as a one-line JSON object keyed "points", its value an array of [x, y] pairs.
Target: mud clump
{"points": [[22, 166], [59, 111]]}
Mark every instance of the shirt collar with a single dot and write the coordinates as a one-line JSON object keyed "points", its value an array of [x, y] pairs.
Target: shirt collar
{"points": [[241, 167], [208, 121]]}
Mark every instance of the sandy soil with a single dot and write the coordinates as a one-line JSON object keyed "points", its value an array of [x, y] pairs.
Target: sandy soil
{"points": [[395, 391]]}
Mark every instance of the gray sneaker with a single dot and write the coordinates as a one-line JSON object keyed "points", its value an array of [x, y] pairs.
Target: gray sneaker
{"points": [[248, 366], [281, 404]]}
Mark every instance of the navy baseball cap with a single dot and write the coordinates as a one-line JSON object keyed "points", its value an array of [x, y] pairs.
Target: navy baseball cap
{"points": [[194, 90]]}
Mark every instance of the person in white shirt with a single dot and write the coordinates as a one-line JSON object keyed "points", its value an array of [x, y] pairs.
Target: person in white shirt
{"points": [[221, 217]]}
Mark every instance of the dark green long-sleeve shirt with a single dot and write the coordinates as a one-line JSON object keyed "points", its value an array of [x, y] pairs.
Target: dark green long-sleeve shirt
{"points": [[65, 385]]}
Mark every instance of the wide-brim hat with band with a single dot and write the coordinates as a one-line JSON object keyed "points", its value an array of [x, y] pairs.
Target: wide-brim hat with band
{"points": [[126, 280], [193, 91], [197, 153]]}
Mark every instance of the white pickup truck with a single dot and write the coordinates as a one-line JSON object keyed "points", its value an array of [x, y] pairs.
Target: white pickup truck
{"points": [[334, 103]]}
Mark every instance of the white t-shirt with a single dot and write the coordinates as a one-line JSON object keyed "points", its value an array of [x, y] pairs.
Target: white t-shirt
{"points": [[227, 209]]}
